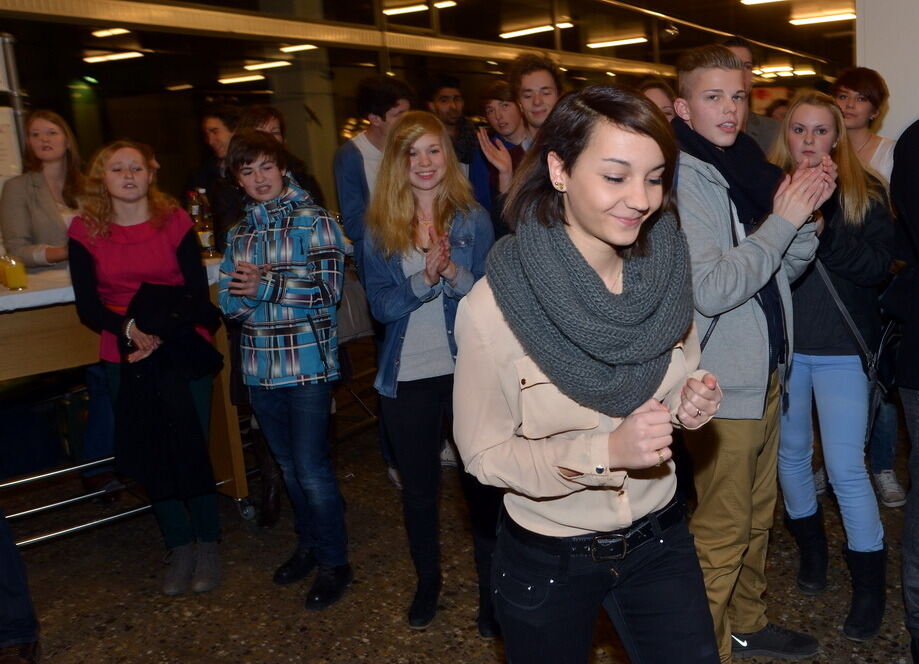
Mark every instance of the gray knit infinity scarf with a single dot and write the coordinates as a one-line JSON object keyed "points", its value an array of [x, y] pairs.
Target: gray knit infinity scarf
{"points": [[605, 351]]}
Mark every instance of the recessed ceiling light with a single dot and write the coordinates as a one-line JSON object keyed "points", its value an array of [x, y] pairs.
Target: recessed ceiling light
{"points": [[785, 73], [769, 75], [758, 2], [126, 55], [775, 68], [90, 79], [618, 42], [805, 72], [298, 47], [535, 30], [610, 73], [180, 86], [826, 18], [240, 79], [268, 65], [757, 71], [111, 32]]}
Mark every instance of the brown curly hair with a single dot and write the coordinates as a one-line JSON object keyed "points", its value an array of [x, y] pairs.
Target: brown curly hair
{"points": [[96, 201]]}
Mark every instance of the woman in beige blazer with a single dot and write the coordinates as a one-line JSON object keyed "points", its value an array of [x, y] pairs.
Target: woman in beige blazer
{"points": [[37, 206], [577, 357]]}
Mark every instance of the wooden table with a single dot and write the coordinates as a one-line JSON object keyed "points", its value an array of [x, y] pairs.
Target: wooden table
{"points": [[40, 332]]}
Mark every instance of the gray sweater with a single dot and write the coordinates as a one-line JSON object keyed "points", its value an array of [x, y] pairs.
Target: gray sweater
{"points": [[726, 278]]}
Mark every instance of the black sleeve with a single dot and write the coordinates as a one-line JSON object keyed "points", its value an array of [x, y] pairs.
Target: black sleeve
{"points": [[862, 255], [93, 314], [904, 190], [188, 254]]}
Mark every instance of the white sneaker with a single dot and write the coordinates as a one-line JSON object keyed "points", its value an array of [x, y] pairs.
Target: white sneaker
{"points": [[394, 477], [448, 454], [820, 481], [889, 490]]}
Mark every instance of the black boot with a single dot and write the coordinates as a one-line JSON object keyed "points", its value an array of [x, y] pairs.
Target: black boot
{"points": [[869, 593], [424, 604], [811, 539], [487, 622], [272, 481]]}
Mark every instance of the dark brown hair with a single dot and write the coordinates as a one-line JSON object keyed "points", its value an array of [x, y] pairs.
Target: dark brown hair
{"points": [[499, 90], [567, 132], [657, 84], [73, 178], [527, 64], [256, 116], [247, 145], [864, 81]]}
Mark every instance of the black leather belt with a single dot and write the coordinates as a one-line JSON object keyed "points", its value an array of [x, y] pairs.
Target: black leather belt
{"points": [[614, 545]]}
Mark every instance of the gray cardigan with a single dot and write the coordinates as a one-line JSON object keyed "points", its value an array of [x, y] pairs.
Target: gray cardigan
{"points": [[725, 279], [29, 218]]}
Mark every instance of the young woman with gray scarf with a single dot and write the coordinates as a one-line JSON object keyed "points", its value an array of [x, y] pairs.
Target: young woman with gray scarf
{"points": [[577, 357]]}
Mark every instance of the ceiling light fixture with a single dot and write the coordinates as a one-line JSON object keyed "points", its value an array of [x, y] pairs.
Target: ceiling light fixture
{"points": [[785, 73], [769, 75], [411, 9], [826, 18], [111, 32], [180, 86], [618, 42], [126, 55], [805, 72], [241, 79], [610, 73], [757, 72], [775, 68], [533, 31], [268, 65], [758, 2], [298, 47]]}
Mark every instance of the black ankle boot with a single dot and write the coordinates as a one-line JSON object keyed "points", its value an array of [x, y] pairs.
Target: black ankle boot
{"points": [[869, 593], [811, 540], [330, 584], [424, 605], [296, 567]]}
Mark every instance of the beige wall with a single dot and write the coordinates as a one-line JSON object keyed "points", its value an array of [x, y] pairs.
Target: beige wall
{"points": [[887, 39]]}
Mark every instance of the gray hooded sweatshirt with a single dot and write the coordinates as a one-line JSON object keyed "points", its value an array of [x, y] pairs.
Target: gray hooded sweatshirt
{"points": [[726, 278]]}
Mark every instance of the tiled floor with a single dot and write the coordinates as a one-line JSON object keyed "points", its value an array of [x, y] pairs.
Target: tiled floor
{"points": [[98, 600]]}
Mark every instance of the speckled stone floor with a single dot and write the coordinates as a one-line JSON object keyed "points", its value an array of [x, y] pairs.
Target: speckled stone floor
{"points": [[97, 592]]}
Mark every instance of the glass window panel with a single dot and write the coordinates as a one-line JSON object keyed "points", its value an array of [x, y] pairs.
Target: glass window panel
{"points": [[487, 20]]}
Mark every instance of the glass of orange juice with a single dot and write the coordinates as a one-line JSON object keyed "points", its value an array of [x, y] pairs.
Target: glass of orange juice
{"points": [[14, 274]]}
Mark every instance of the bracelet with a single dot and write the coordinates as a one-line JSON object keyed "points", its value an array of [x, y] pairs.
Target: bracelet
{"points": [[127, 330]]}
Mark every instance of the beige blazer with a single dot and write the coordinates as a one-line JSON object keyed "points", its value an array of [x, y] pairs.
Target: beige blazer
{"points": [[30, 219], [515, 429]]}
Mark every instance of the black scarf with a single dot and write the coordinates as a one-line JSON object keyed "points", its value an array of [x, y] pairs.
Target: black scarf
{"points": [[752, 179], [606, 351]]}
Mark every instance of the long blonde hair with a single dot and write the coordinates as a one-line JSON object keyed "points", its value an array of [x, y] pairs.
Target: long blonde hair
{"points": [[73, 178], [857, 187], [96, 201], [391, 217]]}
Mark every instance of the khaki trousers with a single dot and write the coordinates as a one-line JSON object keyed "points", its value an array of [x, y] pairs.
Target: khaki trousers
{"points": [[734, 466]]}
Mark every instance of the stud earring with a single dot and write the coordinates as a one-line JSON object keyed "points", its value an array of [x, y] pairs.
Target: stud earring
{"points": [[559, 186]]}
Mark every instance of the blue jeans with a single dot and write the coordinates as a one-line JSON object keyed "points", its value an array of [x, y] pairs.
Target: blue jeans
{"points": [[99, 435], [17, 617], [840, 388], [882, 445], [547, 603], [295, 421]]}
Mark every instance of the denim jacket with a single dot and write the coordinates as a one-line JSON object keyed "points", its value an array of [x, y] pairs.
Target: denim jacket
{"points": [[393, 296]]}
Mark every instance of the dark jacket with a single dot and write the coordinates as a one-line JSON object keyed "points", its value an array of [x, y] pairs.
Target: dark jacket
{"points": [[904, 190], [158, 436], [858, 260]]}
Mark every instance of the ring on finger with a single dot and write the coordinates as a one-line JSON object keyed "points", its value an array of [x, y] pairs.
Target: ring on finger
{"points": [[698, 412], [660, 458]]}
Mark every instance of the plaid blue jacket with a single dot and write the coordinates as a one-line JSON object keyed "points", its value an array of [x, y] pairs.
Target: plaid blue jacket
{"points": [[289, 332]]}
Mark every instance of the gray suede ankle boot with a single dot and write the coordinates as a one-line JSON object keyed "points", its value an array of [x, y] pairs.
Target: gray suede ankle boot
{"points": [[207, 568], [180, 564]]}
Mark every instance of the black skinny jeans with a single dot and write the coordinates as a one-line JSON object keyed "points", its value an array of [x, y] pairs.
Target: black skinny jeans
{"points": [[415, 423]]}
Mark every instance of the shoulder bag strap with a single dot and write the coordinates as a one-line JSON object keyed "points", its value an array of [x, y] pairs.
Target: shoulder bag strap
{"points": [[853, 328]]}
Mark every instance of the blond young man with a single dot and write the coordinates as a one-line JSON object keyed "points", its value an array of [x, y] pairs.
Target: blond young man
{"points": [[748, 239]]}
